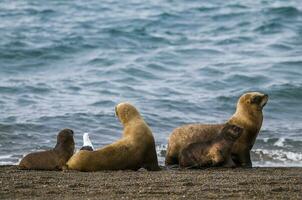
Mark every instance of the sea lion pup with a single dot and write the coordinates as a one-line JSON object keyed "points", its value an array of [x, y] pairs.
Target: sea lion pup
{"points": [[136, 148], [213, 153], [54, 159], [248, 116], [87, 145]]}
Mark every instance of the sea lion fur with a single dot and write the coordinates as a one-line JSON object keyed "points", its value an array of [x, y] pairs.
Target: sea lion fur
{"points": [[136, 148], [216, 153], [248, 115], [54, 159]]}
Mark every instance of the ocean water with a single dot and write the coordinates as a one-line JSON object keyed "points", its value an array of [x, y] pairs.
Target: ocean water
{"points": [[68, 63]]}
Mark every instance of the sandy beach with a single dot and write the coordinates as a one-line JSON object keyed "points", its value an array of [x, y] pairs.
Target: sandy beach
{"points": [[255, 183]]}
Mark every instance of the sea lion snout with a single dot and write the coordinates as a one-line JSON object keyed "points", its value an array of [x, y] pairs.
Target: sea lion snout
{"points": [[254, 101], [260, 100], [264, 100]]}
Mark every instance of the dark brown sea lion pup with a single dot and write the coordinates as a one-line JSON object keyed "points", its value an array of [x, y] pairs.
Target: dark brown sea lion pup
{"points": [[213, 153], [136, 148], [53, 159], [248, 116]]}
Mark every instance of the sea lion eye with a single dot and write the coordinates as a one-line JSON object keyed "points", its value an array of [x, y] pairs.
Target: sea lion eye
{"points": [[256, 99]]}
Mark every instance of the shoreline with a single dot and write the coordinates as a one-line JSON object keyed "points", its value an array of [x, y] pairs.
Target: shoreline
{"points": [[215, 183]]}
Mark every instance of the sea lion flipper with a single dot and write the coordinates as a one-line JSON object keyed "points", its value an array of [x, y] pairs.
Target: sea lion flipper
{"points": [[243, 159], [217, 158], [65, 168], [151, 163], [230, 163]]}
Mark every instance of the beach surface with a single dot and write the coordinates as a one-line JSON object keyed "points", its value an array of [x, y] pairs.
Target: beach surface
{"points": [[258, 183]]}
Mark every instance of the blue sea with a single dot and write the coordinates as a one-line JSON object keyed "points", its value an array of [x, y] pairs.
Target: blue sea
{"points": [[66, 64]]}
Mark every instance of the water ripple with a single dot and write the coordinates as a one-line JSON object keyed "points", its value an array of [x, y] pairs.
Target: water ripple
{"points": [[68, 63]]}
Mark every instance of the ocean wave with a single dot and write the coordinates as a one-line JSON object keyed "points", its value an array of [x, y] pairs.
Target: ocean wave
{"points": [[280, 142], [286, 91], [104, 103], [229, 16], [67, 64], [276, 157], [29, 89], [9, 160], [32, 11], [236, 40], [139, 73], [286, 11], [207, 9], [272, 27]]}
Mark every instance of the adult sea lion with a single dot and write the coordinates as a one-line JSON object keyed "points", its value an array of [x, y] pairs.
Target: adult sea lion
{"points": [[53, 159], [211, 153], [248, 116], [136, 148]]}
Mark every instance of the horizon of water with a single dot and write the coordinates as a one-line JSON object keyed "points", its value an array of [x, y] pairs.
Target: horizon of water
{"points": [[68, 63]]}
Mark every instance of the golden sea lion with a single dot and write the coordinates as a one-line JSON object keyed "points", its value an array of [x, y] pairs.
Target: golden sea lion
{"points": [[53, 159], [248, 116], [211, 153], [136, 148]]}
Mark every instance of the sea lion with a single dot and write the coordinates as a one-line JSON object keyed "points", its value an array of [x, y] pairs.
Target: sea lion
{"points": [[54, 159], [213, 153], [248, 116], [136, 148], [87, 145]]}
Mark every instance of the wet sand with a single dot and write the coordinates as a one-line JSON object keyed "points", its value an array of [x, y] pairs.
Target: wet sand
{"points": [[259, 183]]}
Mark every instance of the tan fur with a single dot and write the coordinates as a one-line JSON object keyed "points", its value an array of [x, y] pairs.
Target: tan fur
{"points": [[54, 159], [216, 153], [248, 115], [134, 150]]}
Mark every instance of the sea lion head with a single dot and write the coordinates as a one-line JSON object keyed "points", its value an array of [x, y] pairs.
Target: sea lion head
{"points": [[126, 112], [232, 132], [65, 139], [252, 101]]}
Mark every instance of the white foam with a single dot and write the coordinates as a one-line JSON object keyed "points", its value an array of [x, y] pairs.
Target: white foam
{"points": [[280, 155], [274, 164], [280, 142], [5, 156], [8, 160], [8, 163], [87, 141], [161, 153]]}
